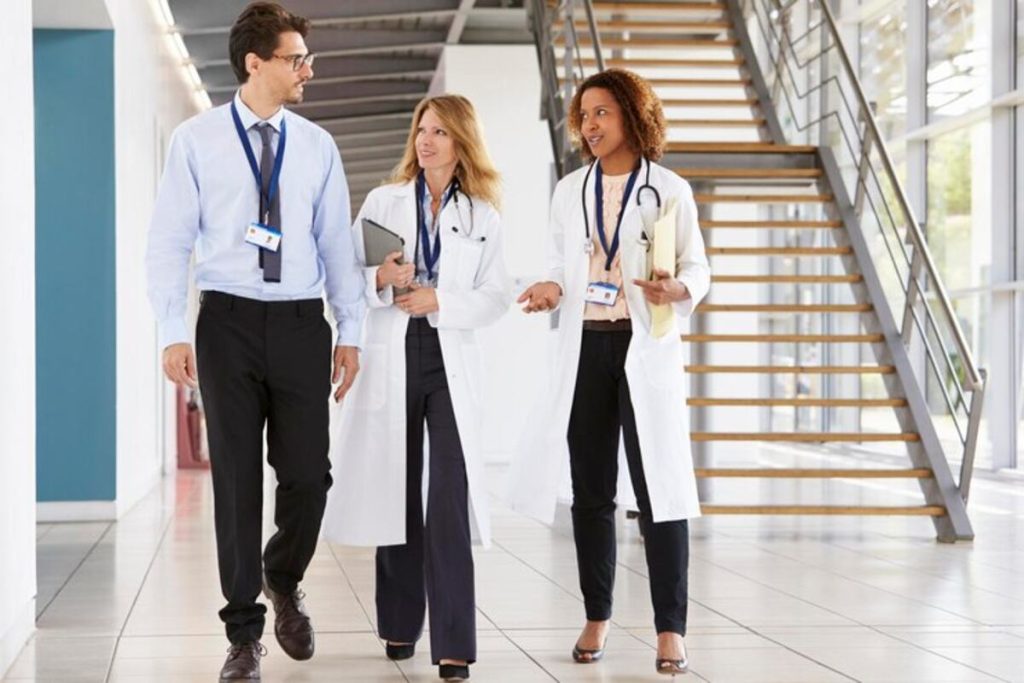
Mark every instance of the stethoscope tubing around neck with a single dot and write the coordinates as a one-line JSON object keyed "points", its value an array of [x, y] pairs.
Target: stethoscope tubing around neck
{"points": [[453, 192], [639, 193]]}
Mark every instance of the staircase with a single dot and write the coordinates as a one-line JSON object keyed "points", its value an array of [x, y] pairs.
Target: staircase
{"points": [[822, 283]]}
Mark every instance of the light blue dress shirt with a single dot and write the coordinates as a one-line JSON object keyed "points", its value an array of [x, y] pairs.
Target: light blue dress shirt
{"points": [[206, 200]]}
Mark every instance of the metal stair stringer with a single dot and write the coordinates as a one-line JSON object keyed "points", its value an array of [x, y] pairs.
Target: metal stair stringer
{"points": [[941, 488]]}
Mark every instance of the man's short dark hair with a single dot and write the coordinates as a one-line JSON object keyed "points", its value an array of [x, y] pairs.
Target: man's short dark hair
{"points": [[257, 29]]}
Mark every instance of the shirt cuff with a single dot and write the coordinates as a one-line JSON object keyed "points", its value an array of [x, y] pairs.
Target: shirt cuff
{"points": [[684, 308], [172, 331], [348, 334]]}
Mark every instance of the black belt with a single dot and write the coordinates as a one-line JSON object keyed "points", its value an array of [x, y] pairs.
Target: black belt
{"points": [[230, 302], [623, 325]]}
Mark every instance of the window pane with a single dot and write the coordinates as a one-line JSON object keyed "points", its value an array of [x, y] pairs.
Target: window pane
{"points": [[958, 56], [1020, 43], [883, 67], [960, 239]]}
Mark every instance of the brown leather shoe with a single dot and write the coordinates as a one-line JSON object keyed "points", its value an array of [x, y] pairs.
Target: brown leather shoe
{"points": [[291, 622], [243, 662]]}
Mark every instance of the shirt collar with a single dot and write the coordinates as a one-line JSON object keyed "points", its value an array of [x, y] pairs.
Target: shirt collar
{"points": [[249, 119]]}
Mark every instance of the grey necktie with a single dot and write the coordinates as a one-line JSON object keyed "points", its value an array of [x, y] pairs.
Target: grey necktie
{"points": [[270, 261]]}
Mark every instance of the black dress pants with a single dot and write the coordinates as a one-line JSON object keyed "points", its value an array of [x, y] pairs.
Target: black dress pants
{"points": [[435, 565], [264, 364], [601, 406]]}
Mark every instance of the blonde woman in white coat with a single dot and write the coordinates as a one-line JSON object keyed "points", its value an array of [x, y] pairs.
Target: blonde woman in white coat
{"points": [[421, 364], [611, 374]]}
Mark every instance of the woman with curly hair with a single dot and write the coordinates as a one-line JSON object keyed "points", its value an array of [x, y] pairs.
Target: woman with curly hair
{"points": [[611, 373]]}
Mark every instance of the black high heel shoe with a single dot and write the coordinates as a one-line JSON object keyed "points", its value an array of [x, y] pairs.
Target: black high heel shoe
{"points": [[453, 672], [581, 656], [400, 652], [671, 667]]}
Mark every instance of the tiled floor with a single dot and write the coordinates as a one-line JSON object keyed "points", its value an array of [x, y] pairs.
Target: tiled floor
{"points": [[772, 600]]}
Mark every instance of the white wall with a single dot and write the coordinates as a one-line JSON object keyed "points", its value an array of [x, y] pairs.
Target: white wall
{"points": [[17, 340], [151, 99], [518, 140]]}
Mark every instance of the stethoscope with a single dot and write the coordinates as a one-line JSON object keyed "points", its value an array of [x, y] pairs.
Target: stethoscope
{"points": [[644, 241]]}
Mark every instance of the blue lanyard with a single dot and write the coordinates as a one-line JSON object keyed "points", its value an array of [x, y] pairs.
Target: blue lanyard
{"points": [[275, 176], [431, 255], [610, 252]]}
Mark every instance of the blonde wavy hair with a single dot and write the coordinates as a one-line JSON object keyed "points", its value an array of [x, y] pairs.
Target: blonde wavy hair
{"points": [[474, 168]]}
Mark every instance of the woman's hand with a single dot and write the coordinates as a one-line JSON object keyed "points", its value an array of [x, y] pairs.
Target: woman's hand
{"points": [[543, 296], [663, 289], [392, 273], [420, 301]]}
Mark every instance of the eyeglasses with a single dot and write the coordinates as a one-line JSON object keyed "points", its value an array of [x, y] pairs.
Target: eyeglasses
{"points": [[298, 61]]}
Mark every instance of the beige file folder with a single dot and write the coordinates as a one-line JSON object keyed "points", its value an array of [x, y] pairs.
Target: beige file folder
{"points": [[663, 256]]}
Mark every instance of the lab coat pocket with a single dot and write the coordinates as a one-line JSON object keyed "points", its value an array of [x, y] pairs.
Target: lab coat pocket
{"points": [[661, 359], [470, 254]]}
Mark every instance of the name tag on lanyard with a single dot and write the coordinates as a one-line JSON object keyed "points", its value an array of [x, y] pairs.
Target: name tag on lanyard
{"points": [[263, 236], [260, 232], [603, 293]]}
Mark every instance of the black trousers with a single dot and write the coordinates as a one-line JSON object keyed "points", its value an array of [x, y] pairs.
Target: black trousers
{"points": [[264, 364], [601, 405], [435, 565]]}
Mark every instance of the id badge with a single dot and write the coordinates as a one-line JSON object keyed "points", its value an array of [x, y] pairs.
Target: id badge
{"points": [[263, 236], [602, 293]]}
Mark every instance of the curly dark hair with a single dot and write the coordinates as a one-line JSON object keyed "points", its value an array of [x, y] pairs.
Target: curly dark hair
{"points": [[257, 29], [641, 112]]}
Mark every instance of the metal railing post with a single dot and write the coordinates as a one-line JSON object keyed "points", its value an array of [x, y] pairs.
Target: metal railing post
{"points": [[971, 440]]}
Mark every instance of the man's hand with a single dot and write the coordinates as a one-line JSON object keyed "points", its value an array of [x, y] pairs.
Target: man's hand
{"points": [[345, 358], [420, 301], [543, 296], [391, 273], [664, 289], [180, 365]]}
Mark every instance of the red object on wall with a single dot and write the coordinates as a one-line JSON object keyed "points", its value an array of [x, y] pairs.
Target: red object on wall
{"points": [[190, 433]]}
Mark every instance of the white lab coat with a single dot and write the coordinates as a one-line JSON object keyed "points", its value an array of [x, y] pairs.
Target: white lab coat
{"points": [[654, 367], [366, 505]]}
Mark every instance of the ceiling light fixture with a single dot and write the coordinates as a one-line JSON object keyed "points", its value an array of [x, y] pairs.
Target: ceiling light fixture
{"points": [[176, 45]]}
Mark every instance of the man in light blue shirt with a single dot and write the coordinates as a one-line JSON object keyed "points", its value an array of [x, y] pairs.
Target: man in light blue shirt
{"points": [[259, 194]]}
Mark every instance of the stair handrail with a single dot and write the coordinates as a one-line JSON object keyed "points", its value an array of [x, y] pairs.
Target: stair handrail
{"points": [[777, 13], [555, 98]]}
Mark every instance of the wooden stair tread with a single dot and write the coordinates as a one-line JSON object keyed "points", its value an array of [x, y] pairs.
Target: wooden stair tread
{"points": [[633, 62], [745, 147], [762, 198], [784, 308], [640, 43], [698, 83], [780, 251], [813, 473], [697, 401], [659, 6], [690, 102], [617, 25], [771, 224], [792, 369], [815, 437], [692, 83], [787, 338], [868, 510], [714, 123], [789, 279], [799, 173]]}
